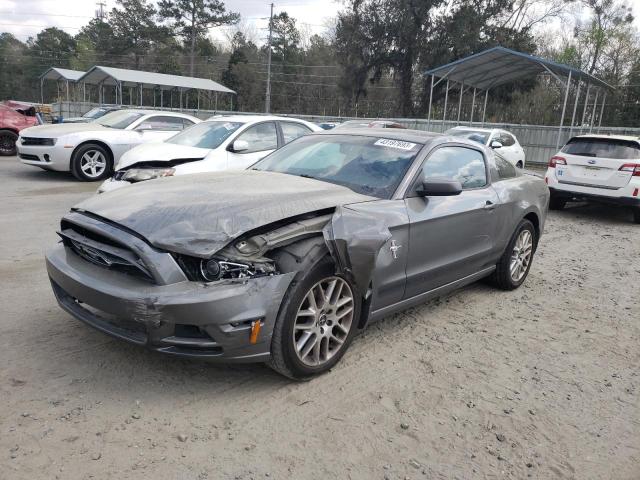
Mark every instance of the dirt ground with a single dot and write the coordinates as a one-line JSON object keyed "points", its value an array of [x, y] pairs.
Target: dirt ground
{"points": [[542, 382]]}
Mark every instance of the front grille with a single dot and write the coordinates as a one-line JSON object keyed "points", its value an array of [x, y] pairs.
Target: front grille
{"points": [[26, 156], [38, 141], [103, 252]]}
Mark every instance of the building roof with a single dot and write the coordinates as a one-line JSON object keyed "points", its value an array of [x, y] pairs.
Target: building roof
{"points": [[55, 73], [132, 78], [500, 65]]}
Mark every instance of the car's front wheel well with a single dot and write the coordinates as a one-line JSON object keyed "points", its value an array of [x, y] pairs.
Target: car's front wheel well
{"points": [[92, 142]]}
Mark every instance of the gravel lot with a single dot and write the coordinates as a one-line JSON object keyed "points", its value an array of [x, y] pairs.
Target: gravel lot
{"points": [[542, 382]]}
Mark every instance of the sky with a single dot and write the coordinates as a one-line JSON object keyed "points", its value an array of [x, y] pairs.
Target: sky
{"points": [[25, 18]]}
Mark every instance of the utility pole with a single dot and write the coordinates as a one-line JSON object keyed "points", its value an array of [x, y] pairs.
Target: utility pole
{"points": [[267, 100], [100, 11]]}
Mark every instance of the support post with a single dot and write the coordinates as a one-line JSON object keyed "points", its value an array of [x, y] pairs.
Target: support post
{"points": [[430, 100], [216, 104], [446, 97], [584, 110], [593, 112], [161, 97], [267, 98], [604, 99], [575, 107], [460, 101], [564, 109], [42, 90], [180, 90], [473, 106], [484, 110], [84, 92], [198, 95]]}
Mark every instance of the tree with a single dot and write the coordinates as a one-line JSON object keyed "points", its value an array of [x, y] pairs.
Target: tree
{"points": [[134, 28], [285, 37], [192, 19]]}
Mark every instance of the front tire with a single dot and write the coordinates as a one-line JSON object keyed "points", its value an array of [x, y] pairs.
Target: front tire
{"points": [[317, 321], [91, 162], [8, 141], [513, 267]]}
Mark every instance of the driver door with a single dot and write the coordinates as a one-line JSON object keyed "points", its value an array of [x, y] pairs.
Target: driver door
{"points": [[451, 237], [262, 139]]}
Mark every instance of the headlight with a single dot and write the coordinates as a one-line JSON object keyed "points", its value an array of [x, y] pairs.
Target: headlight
{"points": [[141, 174], [213, 269]]}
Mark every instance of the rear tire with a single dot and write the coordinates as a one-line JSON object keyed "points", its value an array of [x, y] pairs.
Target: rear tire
{"points": [[513, 267], [91, 162], [636, 215], [8, 141], [557, 203], [330, 328]]}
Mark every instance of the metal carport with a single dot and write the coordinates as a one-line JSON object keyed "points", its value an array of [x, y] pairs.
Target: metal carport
{"points": [[499, 65], [119, 78], [59, 74]]}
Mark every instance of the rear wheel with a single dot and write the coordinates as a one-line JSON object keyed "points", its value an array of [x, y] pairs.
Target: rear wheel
{"points": [[91, 162], [316, 324], [557, 203], [636, 215], [513, 267], [8, 143]]}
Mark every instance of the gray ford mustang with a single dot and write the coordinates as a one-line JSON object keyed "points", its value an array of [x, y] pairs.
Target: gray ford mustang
{"points": [[285, 262]]}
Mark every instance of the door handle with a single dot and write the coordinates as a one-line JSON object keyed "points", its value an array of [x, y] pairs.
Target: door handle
{"points": [[489, 205]]}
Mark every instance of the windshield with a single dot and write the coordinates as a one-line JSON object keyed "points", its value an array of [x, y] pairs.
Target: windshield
{"points": [[206, 134], [475, 135], [603, 148], [95, 113], [368, 165], [120, 119]]}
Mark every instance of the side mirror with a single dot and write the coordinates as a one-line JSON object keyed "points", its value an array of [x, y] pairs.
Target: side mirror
{"points": [[143, 128], [240, 146], [496, 144], [439, 187]]}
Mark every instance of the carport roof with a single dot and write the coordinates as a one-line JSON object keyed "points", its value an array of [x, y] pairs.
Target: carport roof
{"points": [[500, 65], [55, 73], [130, 78]]}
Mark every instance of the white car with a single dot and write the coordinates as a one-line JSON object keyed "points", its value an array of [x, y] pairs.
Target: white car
{"points": [[503, 143], [90, 150], [220, 143], [598, 168]]}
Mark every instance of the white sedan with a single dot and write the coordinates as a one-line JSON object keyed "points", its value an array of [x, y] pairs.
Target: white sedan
{"points": [[90, 150], [220, 143], [503, 143]]}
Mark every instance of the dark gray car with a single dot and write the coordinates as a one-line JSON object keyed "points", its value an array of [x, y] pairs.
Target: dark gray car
{"points": [[285, 262]]}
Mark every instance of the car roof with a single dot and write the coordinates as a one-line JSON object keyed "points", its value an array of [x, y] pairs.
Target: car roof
{"points": [[402, 134], [156, 112], [628, 138], [475, 129], [253, 118]]}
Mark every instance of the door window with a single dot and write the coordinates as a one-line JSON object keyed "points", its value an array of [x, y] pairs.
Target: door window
{"points": [[260, 137], [506, 139], [505, 169], [291, 130], [162, 123], [457, 163]]}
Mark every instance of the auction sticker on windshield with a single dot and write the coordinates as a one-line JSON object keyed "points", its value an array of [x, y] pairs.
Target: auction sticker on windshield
{"points": [[387, 142]]}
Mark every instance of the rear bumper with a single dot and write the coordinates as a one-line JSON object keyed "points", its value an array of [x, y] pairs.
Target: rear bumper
{"points": [[186, 319], [591, 197]]}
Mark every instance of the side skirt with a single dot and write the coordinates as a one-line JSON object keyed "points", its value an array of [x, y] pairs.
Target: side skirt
{"points": [[431, 294]]}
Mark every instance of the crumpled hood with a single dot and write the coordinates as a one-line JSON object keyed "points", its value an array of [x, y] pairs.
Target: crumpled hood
{"points": [[199, 214], [60, 129], [160, 152]]}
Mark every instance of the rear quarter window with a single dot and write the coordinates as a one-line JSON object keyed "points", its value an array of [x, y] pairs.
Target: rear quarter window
{"points": [[602, 148]]}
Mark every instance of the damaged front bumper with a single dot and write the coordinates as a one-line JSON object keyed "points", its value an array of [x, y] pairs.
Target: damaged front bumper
{"points": [[188, 319]]}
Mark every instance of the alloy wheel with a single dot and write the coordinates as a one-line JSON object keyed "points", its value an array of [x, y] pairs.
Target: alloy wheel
{"points": [[521, 255], [7, 143], [323, 321], [93, 163]]}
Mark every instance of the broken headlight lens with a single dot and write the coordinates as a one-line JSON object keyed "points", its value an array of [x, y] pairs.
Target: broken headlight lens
{"points": [[213, 269], [141, 174]]}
